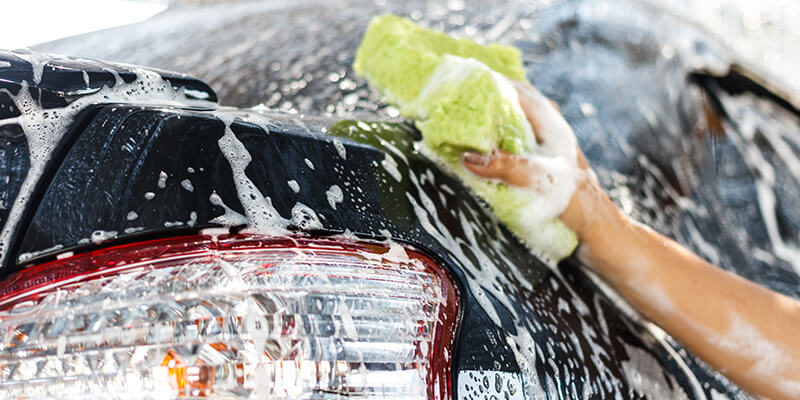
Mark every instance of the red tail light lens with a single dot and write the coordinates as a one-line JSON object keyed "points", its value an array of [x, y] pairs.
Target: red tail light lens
{"points": [[230, 317]]}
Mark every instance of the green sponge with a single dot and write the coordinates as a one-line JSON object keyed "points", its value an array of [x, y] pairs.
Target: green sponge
{"points": [[456, 92], [399, 57]]}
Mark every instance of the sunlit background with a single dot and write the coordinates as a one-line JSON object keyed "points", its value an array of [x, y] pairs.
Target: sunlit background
{"points": [[39, 21], [765, 32]]}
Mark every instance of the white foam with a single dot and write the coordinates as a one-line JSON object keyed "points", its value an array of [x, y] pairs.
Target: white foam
{"points": [[261, 215], [390, 165], [334, 195], [229, 217], [765, 178], [45, 128], [100, 236], [162, 180], [645, 374], [340, 148], [187, 184], [771, 360], [192, 219], [305, 218], [27, 256]]}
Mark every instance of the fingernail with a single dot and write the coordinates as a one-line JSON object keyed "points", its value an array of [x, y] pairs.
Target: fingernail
{"points": [[471, 157]]}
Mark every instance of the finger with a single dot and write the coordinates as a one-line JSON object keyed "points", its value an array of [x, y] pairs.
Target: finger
{"points": [[475, 159], [501, 165], [533, 94], [550, 128], [534, 105]]}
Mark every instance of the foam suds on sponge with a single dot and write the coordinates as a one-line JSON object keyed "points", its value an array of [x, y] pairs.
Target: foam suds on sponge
{"points": [[462, 99]]}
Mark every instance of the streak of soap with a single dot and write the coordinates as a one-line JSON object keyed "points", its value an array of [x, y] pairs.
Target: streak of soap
{"points": [[347, 320], [262, 216], [390, 165], [309, 164], [44, 128], [192, 219], [187, 184], [230, 217], [334, 195], [61, 345], [100, 236], [645, 374], [27, 256], [162, 180], [769, 359], [340, 148], [764, 171], [293, 185], [305, 218], [131, 215], [38, 62]]}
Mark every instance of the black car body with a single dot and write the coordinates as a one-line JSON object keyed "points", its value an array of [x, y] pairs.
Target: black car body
{"points": [[138, 157]]}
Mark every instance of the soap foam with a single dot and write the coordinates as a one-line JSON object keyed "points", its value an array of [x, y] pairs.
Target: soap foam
{"points": [[44, 128]]}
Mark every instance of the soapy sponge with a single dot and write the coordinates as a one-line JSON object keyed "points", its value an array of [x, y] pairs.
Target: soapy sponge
{"points": [[399, 57], [457, 93]]}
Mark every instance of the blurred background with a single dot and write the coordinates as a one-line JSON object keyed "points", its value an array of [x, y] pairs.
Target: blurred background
{"points": [[764, 32], [47, 20]]}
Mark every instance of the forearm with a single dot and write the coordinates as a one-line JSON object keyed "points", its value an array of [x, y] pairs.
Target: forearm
{"points": [[746, 331]]}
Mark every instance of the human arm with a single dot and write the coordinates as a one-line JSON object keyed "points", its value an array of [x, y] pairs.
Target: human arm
{"points": [[748, 332]]}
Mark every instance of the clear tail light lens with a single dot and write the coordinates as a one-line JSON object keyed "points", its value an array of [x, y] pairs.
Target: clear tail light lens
{"points": [[229, 317]]}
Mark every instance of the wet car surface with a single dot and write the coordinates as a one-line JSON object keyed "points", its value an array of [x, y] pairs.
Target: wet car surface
{"points": [[685, 140], [665, 139]]}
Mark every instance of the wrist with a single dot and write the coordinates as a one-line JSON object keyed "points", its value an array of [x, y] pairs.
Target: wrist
{"points": [[606, 237], [591, 213], [607, 225]]}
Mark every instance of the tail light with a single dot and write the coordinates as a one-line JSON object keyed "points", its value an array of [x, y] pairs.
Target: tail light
{"points": [[229, 317]]}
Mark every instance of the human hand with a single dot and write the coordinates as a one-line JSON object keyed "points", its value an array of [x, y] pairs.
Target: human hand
{"points": [[557, 170]]}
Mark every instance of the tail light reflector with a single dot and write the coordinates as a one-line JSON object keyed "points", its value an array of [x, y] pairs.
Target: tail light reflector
{"points": [[229, 317]]}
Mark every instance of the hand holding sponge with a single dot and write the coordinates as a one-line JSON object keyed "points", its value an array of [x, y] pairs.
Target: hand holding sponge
{"points": [[458, 93]]}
